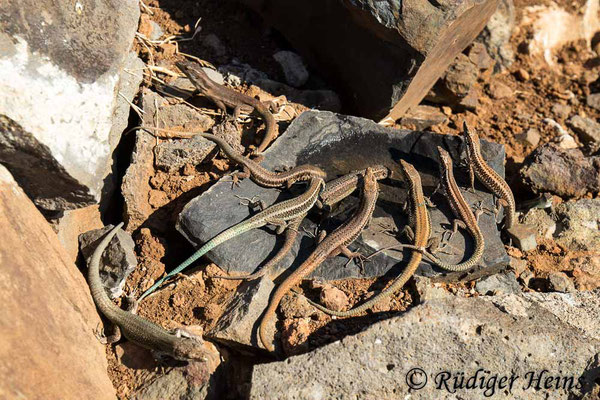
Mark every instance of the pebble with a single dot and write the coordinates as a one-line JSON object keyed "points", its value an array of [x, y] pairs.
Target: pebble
{"points": [[560, 282], [593, 100], [566, 142], [502, 283], [499, 90], [523, 236], [586, 129], [522, 75], [531, 137], [333, 298], [293, 67], [562, 111]]}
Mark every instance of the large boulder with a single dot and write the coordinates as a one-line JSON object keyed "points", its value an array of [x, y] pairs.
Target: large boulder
{"points": [[379, 55], [65, 95], [48, 350]]}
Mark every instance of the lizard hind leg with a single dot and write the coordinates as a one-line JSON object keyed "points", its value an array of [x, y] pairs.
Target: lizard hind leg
{"points": [[101, 335]]}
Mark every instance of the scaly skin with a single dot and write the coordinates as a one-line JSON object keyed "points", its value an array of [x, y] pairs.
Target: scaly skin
{"points": [[135, 328], [262, 176], [224, 97], [420, 224], [338, 189], [291, 233], [462, 211], [488, 177], [278, 214], [330, 246]]}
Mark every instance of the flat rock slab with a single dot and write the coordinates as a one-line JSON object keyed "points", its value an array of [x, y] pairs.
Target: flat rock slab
{"points": [[443, 340], [340, 144]]}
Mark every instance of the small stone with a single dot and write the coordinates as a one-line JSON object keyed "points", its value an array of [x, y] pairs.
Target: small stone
{"points": [[480, 57], [178, 299], [526, 276], [213, 42], [560, 282], [168, 49], [293, 67], [499, 90], [543, 222], [214, 75], [333, 298], [530, 138], [586, 129], [118, 261], [522, 75], [502, 283], [566, 142], [578, 225], [426, 291], [447, 110], [562, 111], [593, 100], [470, 101], [523, 236]]}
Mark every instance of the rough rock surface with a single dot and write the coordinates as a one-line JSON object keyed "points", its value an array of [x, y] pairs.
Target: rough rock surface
{"points": [[48, 350], [496, 34], [578, 226], [173, 155], [340, 144], [378, 53], [477, 338], [238, 324], [422, 117], [502, 283], [73, 223], [586, 129], [136, 187], [566, 173], [118, 260], [61, 109]]}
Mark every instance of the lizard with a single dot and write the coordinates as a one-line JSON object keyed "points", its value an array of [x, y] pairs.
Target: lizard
{"points": [[338, 189], [465, 218], [262, 176], [331, 245], [419, 228], [335, 191], [488, 177], [224, 97], [135, 328], [279, 214]]}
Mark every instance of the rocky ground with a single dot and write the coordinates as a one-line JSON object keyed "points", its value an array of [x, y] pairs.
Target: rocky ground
{"points": [[542, 104], [545, 114]]}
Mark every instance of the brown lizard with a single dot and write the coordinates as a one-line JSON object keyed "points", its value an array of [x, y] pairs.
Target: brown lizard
{"points": [[135, 328], [332, 245], [489, 177], [464, 218], [335, 191], [419, 228], [262, 176], [224, 97]]}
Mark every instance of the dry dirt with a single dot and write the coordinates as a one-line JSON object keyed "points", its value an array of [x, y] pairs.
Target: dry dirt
{"points": [[197, 299]]}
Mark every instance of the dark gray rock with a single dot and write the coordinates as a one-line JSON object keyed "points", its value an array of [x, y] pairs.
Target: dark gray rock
{"points": [[340, 144], [293, 67], [457, 335], [586, 129], [503, 283], [564, 172], [118, 260], [173, 155], [377, 54], [238, 326], [62, 88]]}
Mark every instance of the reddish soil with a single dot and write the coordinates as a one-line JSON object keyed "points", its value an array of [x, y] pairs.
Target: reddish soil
{"points": [[198, 299]]}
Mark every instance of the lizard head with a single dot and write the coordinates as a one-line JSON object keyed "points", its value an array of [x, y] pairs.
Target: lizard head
{"points": [[445, 158], [189, 348], [470, 136], [370, 180], [195, 74]]}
